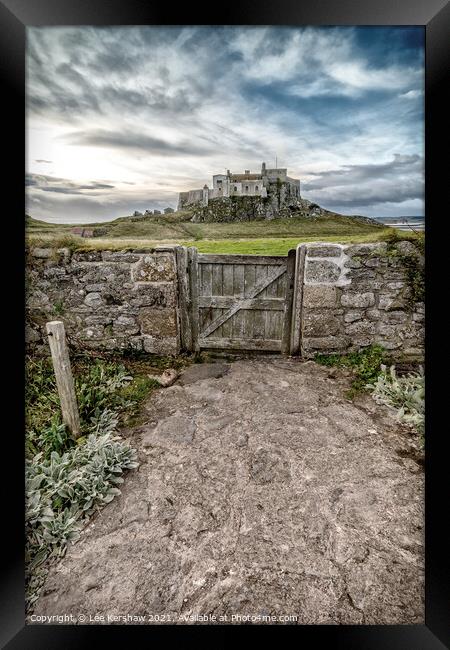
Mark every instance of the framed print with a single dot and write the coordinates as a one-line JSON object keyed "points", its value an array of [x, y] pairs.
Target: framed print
{"points": [[227, 261]]}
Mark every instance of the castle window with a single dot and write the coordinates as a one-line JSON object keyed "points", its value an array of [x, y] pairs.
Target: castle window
{"points": [[246, 188], [256, 188], [235, 188]]}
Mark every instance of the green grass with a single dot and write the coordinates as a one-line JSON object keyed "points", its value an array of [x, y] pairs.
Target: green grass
{"points": [[99, 385], [263, 237], [279, 246]]}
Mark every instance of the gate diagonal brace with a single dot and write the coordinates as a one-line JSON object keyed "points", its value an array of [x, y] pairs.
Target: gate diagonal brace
{"points": [[240, 304]]}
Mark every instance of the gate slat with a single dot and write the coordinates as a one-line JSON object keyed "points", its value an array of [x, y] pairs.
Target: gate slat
{"points": [[192, 258], [205, 279], [249, 285], [258, 324], [273, 275], [289, 293], [227, 288], [226, 302], [261, 273], [216, 290], [271, 320], [239, 344], [237, 325]]}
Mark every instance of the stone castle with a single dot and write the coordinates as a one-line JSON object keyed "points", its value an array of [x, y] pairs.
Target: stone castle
{"points": [[266, 184]]}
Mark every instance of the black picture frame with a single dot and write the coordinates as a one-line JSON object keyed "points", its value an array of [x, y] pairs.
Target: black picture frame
{"points": [[434, 15]]}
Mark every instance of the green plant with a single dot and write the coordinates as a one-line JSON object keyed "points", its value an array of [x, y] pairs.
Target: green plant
{"points": [[106, 391], [405, 394], [63, 491], [66, 480], [415, 277], [55, 437], [365, 364], [58, 308], [98, 388]]}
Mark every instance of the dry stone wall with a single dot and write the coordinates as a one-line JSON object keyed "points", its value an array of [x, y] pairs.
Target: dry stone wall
{"points": [[352, 296], [107, 300], [358, 295]]}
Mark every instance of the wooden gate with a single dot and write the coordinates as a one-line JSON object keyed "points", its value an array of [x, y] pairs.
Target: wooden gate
{"points": [[236, 302]]}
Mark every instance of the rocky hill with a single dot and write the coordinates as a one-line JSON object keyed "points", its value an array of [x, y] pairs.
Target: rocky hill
{"points": [[252, 208]]}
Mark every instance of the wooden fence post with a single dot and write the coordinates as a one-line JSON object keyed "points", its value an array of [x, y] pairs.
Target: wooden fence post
{"points": [[296, 333], [63, 374], [184, 299], [290, 279], [193, 288]]}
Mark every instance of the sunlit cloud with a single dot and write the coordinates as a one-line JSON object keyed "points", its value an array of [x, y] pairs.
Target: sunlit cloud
{"points": [[160, 110]]}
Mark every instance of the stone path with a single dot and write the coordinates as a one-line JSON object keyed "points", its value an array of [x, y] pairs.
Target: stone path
{"points": [[261, 491]]}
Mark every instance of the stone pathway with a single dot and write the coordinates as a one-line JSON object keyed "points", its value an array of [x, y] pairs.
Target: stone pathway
{"points": [[261, 491]]}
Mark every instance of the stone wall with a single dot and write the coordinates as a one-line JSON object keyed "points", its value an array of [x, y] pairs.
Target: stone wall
{"points": [[107, 300], [358, 295], [352, 296]]}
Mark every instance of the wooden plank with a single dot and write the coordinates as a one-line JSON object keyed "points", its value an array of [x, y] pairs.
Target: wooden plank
{"points": [[261, 272], [227, 280], [238, 280], [237, 320], [274, 325], [227, 290], [272, 321], [237, 323], [260, 320], [63, 373], [184, 312], [193, 286], [258, 323], [204, 318], [240, 344], [247, 314], [205, 273], [217, 313], [225, 302], [298, 299], [272, 285], [217, 280], [290, 275], [273, 275], [209, 258], [281, 287]]}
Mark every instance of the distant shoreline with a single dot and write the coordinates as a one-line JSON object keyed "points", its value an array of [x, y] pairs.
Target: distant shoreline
{"points": [[403, 223]]}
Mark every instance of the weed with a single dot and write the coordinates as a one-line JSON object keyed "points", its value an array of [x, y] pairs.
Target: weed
{"points": [[366, 366], [412, 263], [404, 394], [58, 308]]}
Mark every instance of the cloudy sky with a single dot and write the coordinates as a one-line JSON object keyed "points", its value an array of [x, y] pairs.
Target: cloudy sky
{"points": [[122, 119]]}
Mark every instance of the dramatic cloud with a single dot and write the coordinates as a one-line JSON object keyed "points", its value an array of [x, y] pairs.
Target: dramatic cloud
{"points": [[137, 141], [62, 185], [159, 110]]}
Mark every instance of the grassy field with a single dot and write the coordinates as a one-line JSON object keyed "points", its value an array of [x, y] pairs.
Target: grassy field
{"points": [[270, 237]]}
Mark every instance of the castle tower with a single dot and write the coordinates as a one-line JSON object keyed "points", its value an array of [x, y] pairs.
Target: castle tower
{"points": [[205, 194]]}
